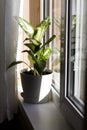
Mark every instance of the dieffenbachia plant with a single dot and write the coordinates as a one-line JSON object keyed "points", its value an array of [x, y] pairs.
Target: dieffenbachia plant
{"points": [[38, 52]]}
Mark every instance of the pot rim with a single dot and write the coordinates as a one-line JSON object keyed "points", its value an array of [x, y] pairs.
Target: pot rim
{"points": [[26, 69]]}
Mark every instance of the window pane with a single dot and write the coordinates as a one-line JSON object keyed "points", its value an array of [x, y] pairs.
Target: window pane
{"points": [[56, 28], [77, 50]]}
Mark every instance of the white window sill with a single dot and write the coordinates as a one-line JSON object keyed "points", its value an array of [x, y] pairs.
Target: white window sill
{"points": [[44, 116]]}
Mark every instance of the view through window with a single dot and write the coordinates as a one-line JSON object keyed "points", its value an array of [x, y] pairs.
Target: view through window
{"points": [[55, 14]]}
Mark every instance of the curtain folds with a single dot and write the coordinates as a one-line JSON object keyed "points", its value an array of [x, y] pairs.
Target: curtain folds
{"points": [[8, 49]]}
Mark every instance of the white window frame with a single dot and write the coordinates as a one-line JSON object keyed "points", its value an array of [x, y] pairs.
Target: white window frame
{"points": [[74, 116]]}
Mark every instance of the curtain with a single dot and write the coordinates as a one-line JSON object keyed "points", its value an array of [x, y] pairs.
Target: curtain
{"points": [[8, 50]]}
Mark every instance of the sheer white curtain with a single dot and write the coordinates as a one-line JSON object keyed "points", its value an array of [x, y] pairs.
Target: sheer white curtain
{"points": [[8, 49]]}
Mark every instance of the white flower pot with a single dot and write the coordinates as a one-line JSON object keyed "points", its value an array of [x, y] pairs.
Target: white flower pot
{"points": [[36, 89]]}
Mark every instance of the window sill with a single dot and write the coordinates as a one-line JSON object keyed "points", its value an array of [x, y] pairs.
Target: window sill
{"points": [[43, 116]]}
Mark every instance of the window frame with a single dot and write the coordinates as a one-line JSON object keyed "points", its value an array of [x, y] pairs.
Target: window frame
{"points": [[69, 84], [68, 108], [74, 116]]}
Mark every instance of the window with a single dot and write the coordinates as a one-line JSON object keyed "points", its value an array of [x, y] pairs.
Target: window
{"points": [[76, 54], [74, 65], [70, 80]]}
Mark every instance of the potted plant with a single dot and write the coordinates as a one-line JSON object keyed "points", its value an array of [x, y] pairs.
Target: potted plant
{"points": [[36, 79]]}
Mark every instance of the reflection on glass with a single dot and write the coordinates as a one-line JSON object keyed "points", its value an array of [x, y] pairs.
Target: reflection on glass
{"points": [[78, 51]]}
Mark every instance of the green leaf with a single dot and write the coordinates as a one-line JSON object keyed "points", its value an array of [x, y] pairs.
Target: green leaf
{"points": [[31, 56], [49, 40], [25, 51], [41, 29], [14, 63], [34, 41], [40, 66], [43, 54], [32, 47], [26, 26], [26, 39], [47, 53]]}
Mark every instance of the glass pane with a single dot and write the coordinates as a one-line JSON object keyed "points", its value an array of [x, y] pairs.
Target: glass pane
{"points": [[78, 49], [56, 28]]}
